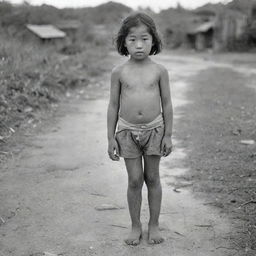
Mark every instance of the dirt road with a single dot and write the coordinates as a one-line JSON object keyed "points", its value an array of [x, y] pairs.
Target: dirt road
{"points": [[56, 194]]}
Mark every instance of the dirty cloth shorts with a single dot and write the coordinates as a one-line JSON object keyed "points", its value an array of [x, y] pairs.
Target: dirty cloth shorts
{"points": [[135, 140]]}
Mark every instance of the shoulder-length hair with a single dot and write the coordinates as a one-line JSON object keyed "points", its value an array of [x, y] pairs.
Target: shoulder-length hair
{"points": [[134, 20]]}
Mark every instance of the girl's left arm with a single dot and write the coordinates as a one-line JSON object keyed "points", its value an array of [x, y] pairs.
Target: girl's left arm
{"points": [[167, 111]]}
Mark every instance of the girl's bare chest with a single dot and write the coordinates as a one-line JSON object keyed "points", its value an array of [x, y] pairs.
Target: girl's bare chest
{"points": [[139, 81]]}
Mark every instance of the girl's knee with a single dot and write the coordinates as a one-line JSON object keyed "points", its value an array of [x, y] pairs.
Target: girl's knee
{"points": [[152, 180], [136, 182]]}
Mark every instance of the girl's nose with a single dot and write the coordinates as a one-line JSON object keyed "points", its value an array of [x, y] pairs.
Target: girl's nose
{"points": [[139, 44]]}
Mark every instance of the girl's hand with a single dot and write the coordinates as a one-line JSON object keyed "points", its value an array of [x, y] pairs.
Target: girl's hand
{"points": [[166, 146], [113, 150]]}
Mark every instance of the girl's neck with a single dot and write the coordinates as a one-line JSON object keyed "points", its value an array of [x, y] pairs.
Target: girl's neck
{"points": [[140, 62]]}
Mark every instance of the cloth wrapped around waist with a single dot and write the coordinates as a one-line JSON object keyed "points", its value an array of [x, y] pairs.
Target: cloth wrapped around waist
{"points": [[124, 125]]}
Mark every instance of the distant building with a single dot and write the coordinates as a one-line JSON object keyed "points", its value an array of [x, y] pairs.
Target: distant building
{"points": [[47, 34], [216, 29], [231, 28], [70, 27], [201, 37]]}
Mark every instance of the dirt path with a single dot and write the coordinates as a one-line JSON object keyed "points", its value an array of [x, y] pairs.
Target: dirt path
{"points": [[52, 194]]}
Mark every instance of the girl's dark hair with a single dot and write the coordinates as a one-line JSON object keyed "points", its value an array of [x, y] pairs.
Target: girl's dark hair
{"points": [[134, 20]]}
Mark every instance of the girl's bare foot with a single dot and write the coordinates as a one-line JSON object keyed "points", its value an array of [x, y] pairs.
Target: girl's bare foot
{"points": [[134, 237], [154, 236]]}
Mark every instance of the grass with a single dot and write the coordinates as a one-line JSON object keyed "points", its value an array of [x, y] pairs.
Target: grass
{"points": [[35, 75]]}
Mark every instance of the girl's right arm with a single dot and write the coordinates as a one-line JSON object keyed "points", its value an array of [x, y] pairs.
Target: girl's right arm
{"points": [[112, 115]]}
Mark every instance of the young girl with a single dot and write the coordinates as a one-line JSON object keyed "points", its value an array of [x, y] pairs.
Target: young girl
{"points": [[141, 109]]}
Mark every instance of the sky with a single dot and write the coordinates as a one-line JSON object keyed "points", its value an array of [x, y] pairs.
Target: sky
{"points": [[156, 5]]}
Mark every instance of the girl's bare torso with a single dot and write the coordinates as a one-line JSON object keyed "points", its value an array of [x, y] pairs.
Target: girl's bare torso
{"points": [[140, 93]]}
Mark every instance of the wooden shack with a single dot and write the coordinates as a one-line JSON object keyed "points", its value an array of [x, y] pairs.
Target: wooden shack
{"points": [[47, 34], [216, 28], [201, 37], [231, 27], [70, 27]]}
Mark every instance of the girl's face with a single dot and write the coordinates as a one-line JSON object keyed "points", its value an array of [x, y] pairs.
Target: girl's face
{"points": [[139, 42]]}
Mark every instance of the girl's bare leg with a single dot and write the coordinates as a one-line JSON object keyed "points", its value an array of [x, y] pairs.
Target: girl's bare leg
{"points": [[152, 179], [134, 197]]}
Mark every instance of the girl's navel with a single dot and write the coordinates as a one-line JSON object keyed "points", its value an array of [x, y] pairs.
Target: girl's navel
{"points": [[140, 113]]}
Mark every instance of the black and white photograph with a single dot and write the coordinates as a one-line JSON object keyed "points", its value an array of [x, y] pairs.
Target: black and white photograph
{"points": [[128, 127]]}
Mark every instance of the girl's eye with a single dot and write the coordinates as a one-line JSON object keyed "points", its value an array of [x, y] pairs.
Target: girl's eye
{"points": [[132, 40], [145, 39]]}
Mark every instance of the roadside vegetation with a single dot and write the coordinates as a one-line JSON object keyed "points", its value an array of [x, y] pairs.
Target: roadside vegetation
{"points": [[36, 75]]}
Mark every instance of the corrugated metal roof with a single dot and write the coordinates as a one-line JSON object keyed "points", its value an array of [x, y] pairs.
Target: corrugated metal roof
{"points": [[202, 27], [46, 31], [205, 26]]}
